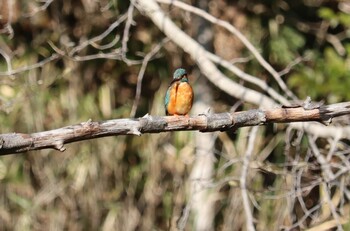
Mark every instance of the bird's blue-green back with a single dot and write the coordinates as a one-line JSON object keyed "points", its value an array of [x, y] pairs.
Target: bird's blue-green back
{"points": [[167, 99]]}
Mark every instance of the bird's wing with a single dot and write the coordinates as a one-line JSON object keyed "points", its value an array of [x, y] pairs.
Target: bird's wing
{"points": [[167, 99]]}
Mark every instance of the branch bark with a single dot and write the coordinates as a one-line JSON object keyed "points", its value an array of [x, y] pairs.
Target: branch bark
{"points": [[19, 142]]}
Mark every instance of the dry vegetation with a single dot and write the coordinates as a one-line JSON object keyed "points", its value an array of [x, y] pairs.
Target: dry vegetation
{"points": [[65, 62]]}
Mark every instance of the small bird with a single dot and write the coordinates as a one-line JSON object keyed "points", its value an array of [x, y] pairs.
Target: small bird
{"points": [[179, 96]]}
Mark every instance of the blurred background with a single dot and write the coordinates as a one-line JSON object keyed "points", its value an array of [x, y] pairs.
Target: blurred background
{"points": [[65, 62]]}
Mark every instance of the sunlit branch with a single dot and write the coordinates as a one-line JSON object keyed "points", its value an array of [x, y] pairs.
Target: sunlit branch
{"points": [[19, 142], [249, 78], [238, 34]]}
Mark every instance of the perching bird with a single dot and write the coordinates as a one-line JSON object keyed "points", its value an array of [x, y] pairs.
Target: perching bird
{"points": [[179, 96]]}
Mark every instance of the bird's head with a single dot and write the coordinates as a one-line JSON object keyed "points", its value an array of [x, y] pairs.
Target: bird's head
{"points": [[180, 75]]}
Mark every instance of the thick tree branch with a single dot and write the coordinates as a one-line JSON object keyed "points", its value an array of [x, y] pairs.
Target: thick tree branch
{"points": [[20, 142]]}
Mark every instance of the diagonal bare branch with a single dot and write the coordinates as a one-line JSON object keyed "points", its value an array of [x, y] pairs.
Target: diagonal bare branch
{"points": [[199, 54], [239, 35]]}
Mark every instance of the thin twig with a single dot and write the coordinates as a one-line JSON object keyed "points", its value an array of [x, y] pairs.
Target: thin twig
{"points": [[7, 59], [291, 65], [303, 218], [331, 205], [181, 223], [108, 45], [333, 142], [326, 169], [38, 9], [99, 37], [335, 41], [299, 193], [145, 61], [129, 22], [31, 67], [249, 78], [244, 173]]}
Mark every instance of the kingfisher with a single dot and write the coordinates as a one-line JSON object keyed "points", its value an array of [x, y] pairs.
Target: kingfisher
{"points": [[179, 96]]}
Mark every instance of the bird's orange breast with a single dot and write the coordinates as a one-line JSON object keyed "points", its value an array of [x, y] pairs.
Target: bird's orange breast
{"points": [[181, 98]]}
